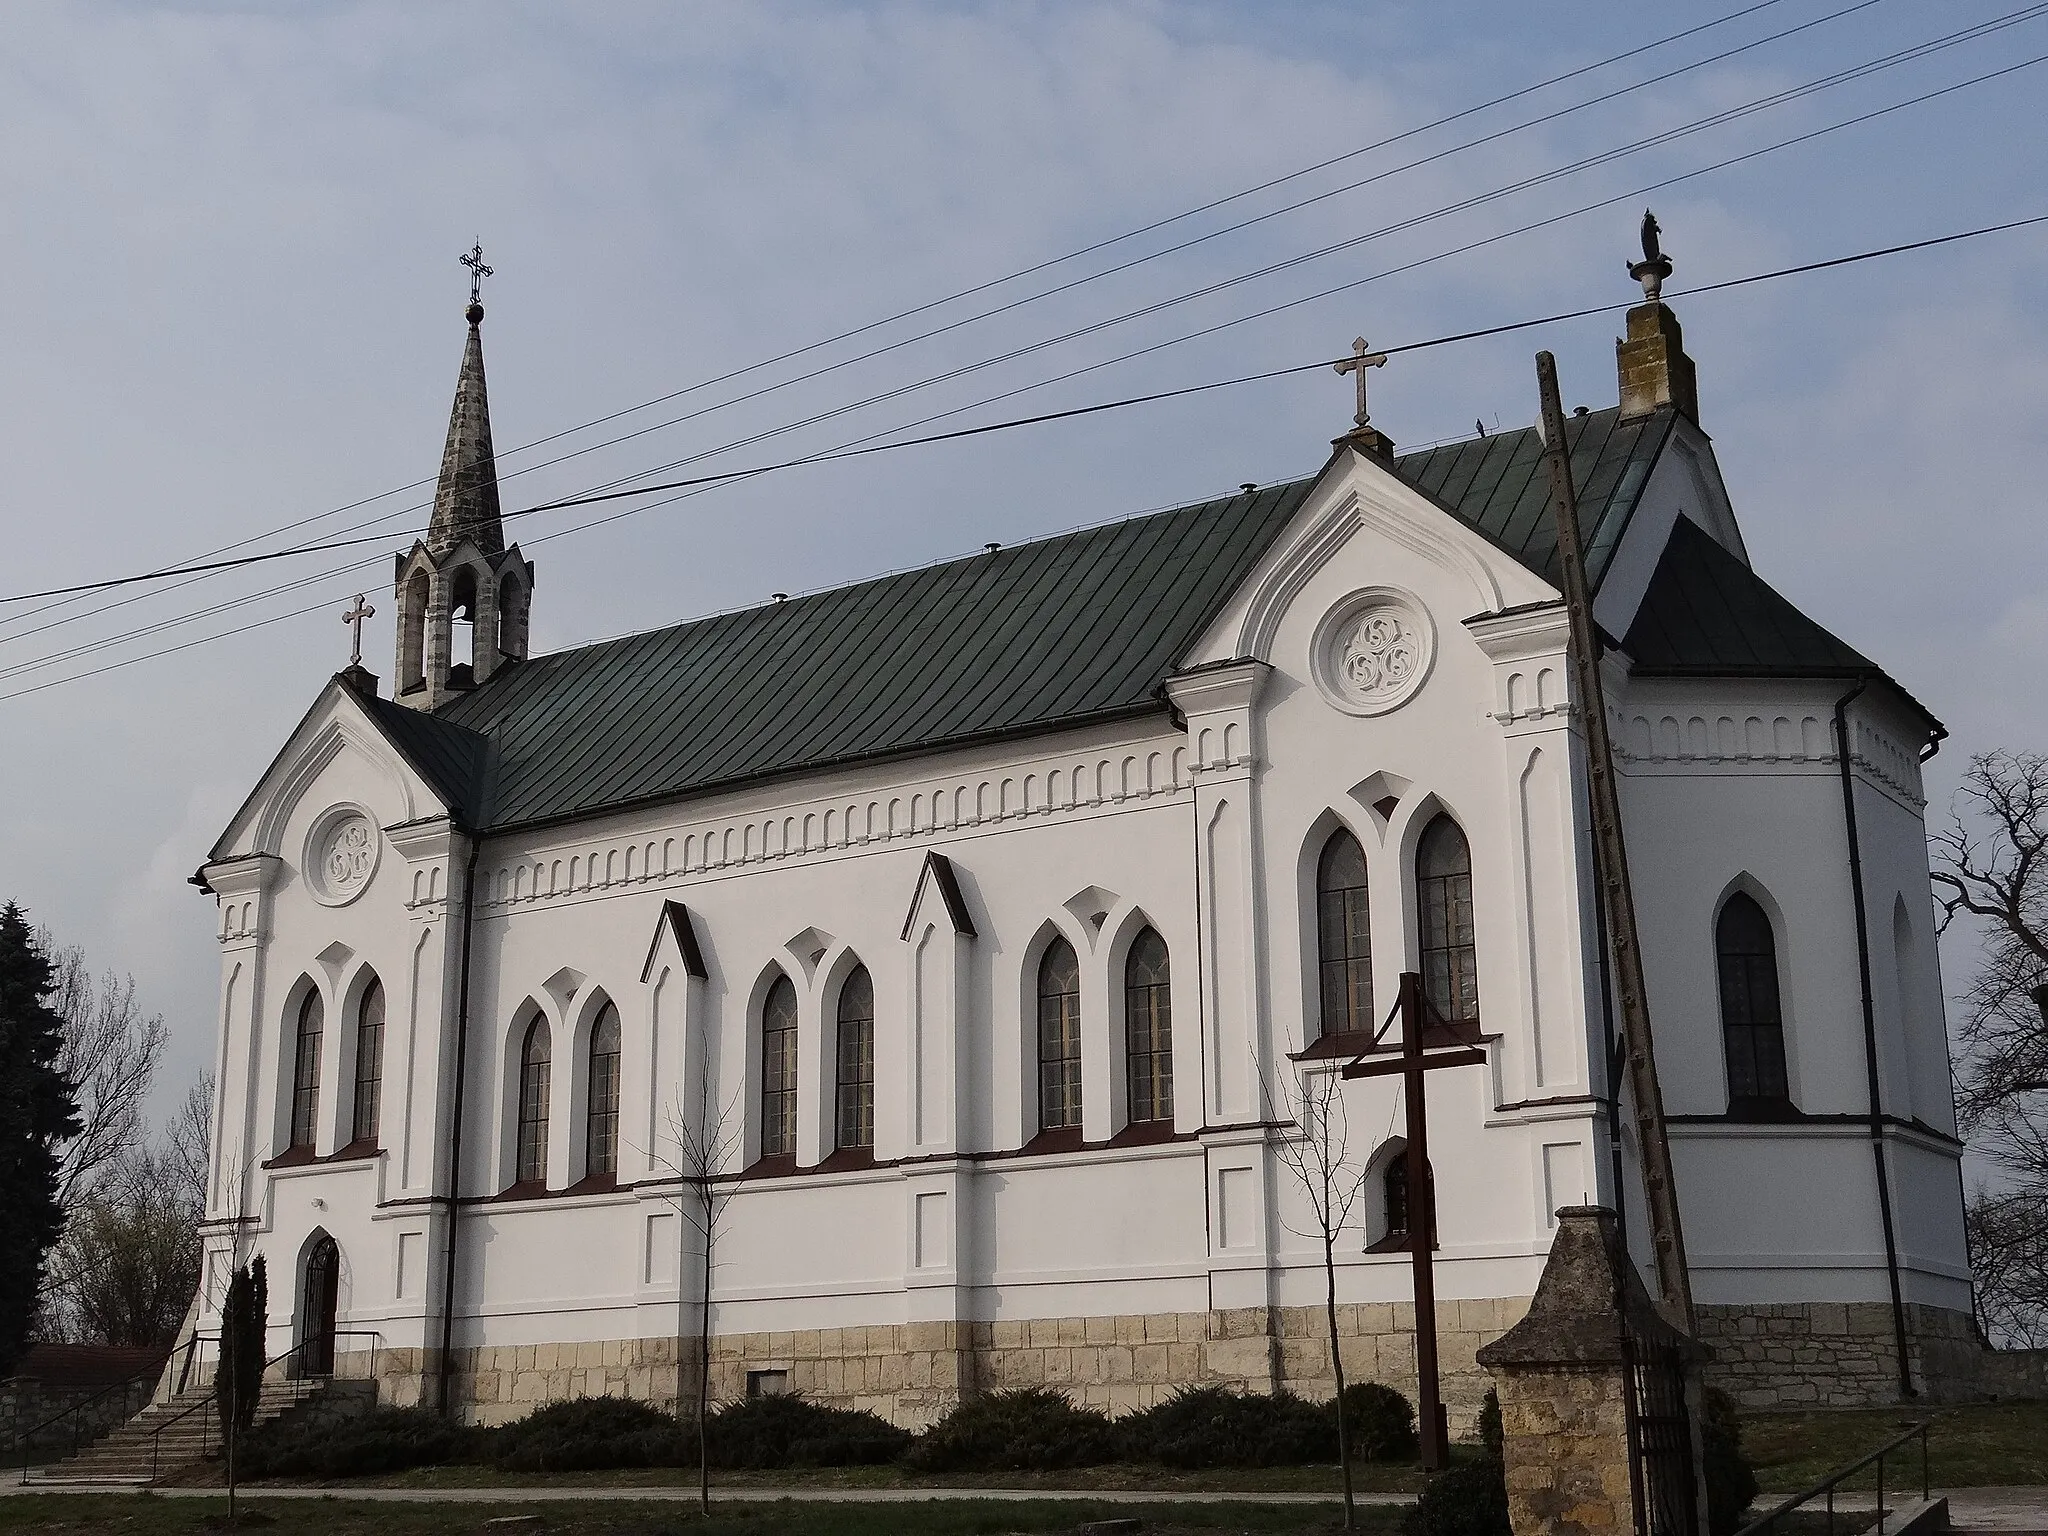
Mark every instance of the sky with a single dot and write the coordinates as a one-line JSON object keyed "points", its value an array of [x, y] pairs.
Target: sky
{"points": [[230, 302]]}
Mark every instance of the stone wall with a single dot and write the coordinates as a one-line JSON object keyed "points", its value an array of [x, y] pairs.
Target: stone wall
{"points": [[912, 1373], [26, 1402], [1832, 1354]]}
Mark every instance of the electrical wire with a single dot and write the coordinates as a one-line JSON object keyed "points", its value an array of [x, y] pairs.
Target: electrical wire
{"points": [[1043, 266], [1098, 407]]}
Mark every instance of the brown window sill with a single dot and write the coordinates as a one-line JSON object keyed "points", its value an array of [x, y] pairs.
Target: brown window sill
{"points": [[846, 1160], [1065, 1138], [777, 1165]]}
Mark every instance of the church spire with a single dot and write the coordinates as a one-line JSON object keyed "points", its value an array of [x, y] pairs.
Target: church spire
{"points": [[466, 500], [460, 588]]}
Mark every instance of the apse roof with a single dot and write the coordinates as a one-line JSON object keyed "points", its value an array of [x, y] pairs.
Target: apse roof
{"points": [[1061, 632]]}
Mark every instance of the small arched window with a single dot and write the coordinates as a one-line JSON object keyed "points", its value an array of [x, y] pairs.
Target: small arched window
{"points": [[601, 1103], [1059, 1038], [1148, 1029], [1343, 936], [306, 1073], [1443, 898], [369, 1062], [1752, 1019], [534, 1059], [778, 1070], [855, 1118], [1394, 1185]]}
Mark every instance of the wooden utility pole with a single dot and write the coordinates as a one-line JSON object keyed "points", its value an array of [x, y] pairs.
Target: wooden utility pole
{"points": [[1412, 1064], [1610, 859]]}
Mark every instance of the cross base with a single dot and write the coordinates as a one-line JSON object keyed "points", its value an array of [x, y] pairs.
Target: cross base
{"points": [[1370, 441]]}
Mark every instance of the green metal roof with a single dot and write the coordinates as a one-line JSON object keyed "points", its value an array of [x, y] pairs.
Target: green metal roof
{"points": [[1068, 630]]}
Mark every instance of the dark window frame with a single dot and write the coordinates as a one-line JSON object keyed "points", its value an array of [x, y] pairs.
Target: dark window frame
{"points": [[1447, 937], [1751, 997], [853, 1120], [601, 1094], [779, 1017], [1059, 1038], [1148, 1030], [1343, 937], [310, 1027], [536, 1072], [369, 1097]]}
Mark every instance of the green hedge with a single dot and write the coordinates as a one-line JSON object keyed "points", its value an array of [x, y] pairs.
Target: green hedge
{"points": [[1029, 1429], [383, 1440], [787, 1431]]}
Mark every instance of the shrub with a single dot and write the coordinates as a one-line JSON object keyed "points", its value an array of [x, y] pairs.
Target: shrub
{"points": [[1380, 1423], [1491, 1435], [786, 1431], [383, 1440], [1026, 1429], [588, 1433], [1731, 1485], [1468, 1499], [1218, 1427]]}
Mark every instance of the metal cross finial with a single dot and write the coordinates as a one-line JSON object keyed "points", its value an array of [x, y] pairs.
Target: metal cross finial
{"points": [[477, 273], [355, 617], [1362, 358]]}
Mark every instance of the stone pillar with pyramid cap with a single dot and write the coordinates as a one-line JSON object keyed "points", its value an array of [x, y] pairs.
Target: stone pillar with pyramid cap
{"points": [[462, 569]]}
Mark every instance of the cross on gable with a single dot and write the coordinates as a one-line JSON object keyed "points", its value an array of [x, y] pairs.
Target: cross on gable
{"points": [[354, 617], [1362, 357]]}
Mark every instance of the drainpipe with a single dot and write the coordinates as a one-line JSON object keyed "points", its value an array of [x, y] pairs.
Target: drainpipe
{"points": [[1884, 1181], [455, 1122]]}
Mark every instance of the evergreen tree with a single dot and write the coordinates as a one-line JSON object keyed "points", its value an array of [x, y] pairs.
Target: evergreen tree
{"points": [[37, 1111]]}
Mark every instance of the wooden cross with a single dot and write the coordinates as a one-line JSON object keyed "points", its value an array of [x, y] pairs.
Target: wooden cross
{"points": [[1412, 1063], [355, 617], [1362, 358], [477, 273]]}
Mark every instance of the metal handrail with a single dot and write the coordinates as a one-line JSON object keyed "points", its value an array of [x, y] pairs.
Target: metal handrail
{"points": [[156, 1439], [28, 1436], [1917, 1431]]}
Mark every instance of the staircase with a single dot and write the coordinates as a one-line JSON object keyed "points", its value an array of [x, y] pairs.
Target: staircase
{"points": [[134, 1455]]}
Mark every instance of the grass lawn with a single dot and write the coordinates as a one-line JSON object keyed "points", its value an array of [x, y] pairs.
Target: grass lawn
{"points": [[1979, 1445], [142, 1515]]}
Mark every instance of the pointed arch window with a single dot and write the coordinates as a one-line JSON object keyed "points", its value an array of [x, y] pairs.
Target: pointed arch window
{"points": [[1443, 899], [855, 1117], [1752, 1016], [534, 1065], [1059, 1038], [1343, 936], [778, 1070], [1394, 1189], [1148, 1029], [369, 1063], [306, 1072], [601, 1103]]}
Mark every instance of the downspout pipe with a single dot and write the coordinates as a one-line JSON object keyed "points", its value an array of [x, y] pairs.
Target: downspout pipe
{"points": [[447, 1362], [1844, 761]]}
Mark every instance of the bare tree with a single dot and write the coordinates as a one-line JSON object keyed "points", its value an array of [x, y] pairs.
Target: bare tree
{"points": [[111, 1050], [1991, 866], [128, 1263], [706, 1145], [1317, 1154]]}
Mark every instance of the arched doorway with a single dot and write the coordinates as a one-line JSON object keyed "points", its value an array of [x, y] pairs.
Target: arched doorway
{"points": [[319, 1289]]}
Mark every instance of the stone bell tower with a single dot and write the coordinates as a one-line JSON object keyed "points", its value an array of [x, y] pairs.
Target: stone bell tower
{"points": [[462, 571]]}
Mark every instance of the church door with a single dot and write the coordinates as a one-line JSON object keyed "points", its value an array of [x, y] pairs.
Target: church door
{"points": [[318, 1296]]}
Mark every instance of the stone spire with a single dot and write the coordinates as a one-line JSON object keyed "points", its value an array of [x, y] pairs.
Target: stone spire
{"points": [[1651, 364], [466, 500]]}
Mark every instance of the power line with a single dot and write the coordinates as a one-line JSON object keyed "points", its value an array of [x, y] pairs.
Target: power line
{"points": [[1042, 266], [1012, 424], [1664, 137]]}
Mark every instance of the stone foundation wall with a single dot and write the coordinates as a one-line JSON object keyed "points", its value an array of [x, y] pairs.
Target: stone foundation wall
{"points": [[25, 1403], [912, 1373], [1832, 1354]]}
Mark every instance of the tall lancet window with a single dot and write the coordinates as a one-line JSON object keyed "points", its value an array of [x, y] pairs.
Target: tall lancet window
{"points": [[601, 1105], [1443, 891], [1343, 936], [1148, 1030], [778, 1070], [856, 1106], [1059, 1038], [534, 1062], [369, 1062], [306, 1073], [1752, 1018]]}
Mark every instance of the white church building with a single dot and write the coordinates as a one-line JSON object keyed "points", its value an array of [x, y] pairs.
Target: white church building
{"points": [[990, 913]]}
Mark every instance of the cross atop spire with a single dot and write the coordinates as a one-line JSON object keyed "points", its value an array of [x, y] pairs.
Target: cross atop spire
{"points": [[474, 260], [1363, 434]]}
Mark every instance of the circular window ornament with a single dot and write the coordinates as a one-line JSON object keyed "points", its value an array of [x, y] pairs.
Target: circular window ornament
{"points": [[341, 855], [1373, 651]]}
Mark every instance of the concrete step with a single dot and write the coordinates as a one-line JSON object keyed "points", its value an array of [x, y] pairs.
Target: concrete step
{"points": [[167, 1437]]}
